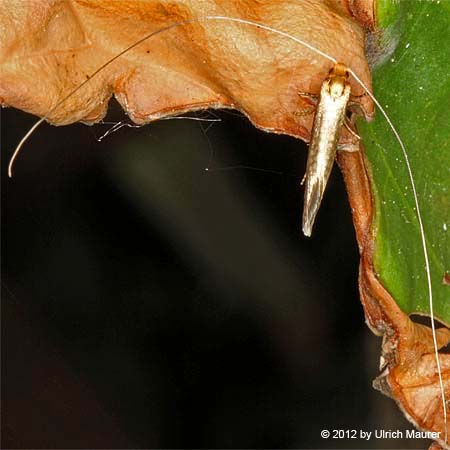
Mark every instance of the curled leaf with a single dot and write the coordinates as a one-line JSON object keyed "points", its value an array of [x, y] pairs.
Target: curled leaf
{"points": [[49, 47]]}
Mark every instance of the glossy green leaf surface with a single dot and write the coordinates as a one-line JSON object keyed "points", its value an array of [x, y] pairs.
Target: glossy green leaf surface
{"points": [[413, 85]]}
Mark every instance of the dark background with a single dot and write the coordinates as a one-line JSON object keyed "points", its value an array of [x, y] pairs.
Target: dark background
{"points": [[150, 303]]}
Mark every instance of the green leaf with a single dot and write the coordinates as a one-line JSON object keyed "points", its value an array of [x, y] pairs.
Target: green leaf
{"points": [[413, 85]]}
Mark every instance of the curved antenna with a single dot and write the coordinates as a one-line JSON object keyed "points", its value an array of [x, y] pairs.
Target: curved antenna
{"points": [[145, 38], [424, 244], [20, 145]]}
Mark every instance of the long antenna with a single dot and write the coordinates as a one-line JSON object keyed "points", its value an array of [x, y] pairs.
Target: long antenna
{"points": [[424, 245], [140, 41], [333, 60]]}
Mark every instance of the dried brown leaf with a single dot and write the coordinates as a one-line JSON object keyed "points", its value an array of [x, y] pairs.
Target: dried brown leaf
{"points": [[48, 47]]}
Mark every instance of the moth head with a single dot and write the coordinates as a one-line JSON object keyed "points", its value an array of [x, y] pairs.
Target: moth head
{"points": [[339, 70], [337, 80]]}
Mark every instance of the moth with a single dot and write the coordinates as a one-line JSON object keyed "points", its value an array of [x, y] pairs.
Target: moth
{"points": [[328, 121]]}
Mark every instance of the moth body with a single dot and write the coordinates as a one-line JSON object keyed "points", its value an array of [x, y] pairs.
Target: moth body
{"points": [[328, 120]]}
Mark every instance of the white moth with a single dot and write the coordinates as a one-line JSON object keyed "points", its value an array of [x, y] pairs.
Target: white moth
{"points": [[328, 121]]}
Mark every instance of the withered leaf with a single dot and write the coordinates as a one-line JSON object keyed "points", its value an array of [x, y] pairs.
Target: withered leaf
{"points": [[49, 47]]}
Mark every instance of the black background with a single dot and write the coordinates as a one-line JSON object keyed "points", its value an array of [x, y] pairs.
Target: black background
{"points": [[149, 303]]}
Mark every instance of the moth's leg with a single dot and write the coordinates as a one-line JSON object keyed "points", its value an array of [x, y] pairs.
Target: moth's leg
{"points": [[351, 129], [357, 96], [352, 146], [349, 147], [313, 99]]}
